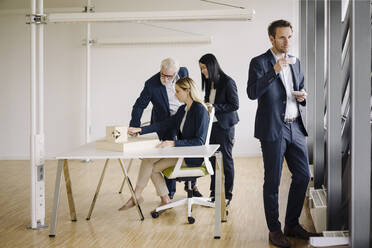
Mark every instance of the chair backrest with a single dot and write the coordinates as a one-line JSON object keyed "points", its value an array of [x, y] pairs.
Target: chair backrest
{"points": [[177, 172], [211, 117], [207, 163]]}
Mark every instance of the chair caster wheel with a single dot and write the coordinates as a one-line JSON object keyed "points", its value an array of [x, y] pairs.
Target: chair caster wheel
{"points": [[154, 214], [191, 220]]}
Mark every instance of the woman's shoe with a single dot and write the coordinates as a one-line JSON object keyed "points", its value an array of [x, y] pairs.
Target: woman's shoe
{"points": [[130, 203], [196, 193], [162, 204]]}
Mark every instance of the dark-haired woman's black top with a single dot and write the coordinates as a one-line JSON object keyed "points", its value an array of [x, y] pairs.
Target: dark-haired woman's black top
{"points": [[226, 102]]}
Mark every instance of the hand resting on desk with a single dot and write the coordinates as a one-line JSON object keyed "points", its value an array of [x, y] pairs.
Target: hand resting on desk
{"points": [[166, 143]]}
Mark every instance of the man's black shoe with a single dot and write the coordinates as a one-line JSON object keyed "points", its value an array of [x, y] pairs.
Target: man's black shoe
{"points": [[299, 232], [277, 238]]}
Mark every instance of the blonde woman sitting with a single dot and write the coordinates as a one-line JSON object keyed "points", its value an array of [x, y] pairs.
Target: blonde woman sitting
{"points": [[191, 122]]}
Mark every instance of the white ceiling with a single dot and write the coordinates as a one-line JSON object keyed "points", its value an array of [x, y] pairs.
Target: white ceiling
{"points": [[126, 5]]}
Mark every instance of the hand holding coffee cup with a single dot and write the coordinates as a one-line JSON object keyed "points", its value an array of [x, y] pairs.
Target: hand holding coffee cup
{"points": [[300, 95], [280, 64]]}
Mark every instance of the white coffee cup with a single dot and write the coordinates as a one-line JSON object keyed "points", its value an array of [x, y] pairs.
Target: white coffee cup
{"points": [[291, 60]]}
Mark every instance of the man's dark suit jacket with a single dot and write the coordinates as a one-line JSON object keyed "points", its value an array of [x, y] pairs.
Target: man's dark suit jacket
{"points": [[266, 86], [155, 92], [194, 132], [226, 102]]}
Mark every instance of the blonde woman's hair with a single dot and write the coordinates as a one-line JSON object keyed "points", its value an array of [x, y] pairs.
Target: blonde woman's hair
{"points": [[187, 83]]}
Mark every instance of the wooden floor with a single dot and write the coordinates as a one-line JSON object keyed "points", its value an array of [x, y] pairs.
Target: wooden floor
{"points": [[246, 226]]}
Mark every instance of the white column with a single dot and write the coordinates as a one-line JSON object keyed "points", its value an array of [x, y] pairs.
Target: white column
{"points": [[37, 119], [88, 107], [33, 116]]}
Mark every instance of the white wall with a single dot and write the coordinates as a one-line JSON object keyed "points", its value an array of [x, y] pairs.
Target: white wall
{"points": [[119, 73]]}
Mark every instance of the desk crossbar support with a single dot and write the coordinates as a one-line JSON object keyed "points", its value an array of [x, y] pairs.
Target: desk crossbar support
{"points": [[122, 184], [138, 207]]}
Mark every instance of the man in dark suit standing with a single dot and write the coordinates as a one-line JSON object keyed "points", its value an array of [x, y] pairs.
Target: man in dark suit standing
{"points": [[276, 80], [160, 91]]}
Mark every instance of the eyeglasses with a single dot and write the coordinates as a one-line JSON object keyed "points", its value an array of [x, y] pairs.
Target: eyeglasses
{"points": [[169, 77]]}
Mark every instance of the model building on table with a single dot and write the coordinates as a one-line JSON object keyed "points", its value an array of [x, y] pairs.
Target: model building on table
{"points": [[117, 139]]}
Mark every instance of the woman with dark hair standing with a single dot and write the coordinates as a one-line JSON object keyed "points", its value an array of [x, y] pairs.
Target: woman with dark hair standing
{"points": [[221, 92]]}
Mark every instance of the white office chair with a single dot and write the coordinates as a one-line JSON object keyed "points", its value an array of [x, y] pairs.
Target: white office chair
{"points": [[181, 172]]}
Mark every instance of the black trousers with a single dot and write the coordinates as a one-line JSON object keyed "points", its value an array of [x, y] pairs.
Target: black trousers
{"points": [[292, 147], [225, 138]]}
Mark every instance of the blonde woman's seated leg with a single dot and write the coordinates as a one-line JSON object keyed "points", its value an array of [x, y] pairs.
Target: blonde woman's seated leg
{"points": [[158, 179], [145, 173]]}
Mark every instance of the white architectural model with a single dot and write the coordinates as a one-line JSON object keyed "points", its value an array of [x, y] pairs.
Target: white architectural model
{"points": [[116, 134], [118, 140]]}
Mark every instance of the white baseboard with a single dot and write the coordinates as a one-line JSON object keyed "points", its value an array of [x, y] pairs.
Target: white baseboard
{"points": [[14, 157], [22, 157]]}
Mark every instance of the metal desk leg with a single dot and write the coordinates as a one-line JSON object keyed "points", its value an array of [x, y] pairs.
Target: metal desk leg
{"points": [[217, 201], [223, 195], [122, 184], [131, 189], [57, 190], [70, 198], [97, 190]]}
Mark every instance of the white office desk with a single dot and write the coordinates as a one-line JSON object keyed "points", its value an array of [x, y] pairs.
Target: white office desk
{"points": [[89, 151]]}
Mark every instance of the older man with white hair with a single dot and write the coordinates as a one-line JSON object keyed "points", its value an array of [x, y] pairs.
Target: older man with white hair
{"points": [[160, 91]]}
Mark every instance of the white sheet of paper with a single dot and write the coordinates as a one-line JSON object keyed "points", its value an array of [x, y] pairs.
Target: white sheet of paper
{"points": [[328, 241]]}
